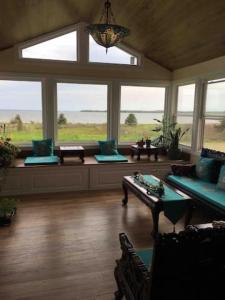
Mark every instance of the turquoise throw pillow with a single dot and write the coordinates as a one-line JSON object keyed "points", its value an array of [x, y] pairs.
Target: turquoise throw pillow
{"points": [[204, 168], [221, 180], [108, 147], [42, 147]]}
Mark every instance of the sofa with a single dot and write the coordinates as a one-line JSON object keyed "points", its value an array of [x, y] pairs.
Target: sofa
{"points": [[203, 182]]}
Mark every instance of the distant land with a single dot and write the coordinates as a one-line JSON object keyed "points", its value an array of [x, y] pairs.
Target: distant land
{"points": [[125, 111]]}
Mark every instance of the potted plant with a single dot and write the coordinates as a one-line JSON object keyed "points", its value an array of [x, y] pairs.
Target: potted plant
{"points": [[7, 210], [175, 136], [8, 151], [163, 128]]}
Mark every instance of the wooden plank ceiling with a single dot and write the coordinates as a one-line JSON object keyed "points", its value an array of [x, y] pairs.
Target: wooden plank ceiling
{"points": [[173, 33]]}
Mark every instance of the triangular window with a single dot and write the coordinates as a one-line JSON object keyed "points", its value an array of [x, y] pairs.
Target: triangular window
{"points": [[114, 55], [63, 47]]}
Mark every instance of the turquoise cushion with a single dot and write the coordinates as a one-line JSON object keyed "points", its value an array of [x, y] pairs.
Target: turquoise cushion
{"points": [[146, 256], [204, 168], [205, 190], [41, 160], [110, 158], [108, 147], [42, 147], [221, 180]]}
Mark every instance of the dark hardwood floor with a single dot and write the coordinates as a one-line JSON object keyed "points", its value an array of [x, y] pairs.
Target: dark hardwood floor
{"points": [[64, 246]]}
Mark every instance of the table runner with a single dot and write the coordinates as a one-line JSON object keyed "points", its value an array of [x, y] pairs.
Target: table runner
{"points": [[174, 204]]}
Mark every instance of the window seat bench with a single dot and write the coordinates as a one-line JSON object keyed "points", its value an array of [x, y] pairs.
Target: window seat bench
{"points": [[74, 175]]}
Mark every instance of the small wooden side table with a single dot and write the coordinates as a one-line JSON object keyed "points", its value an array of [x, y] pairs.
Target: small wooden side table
{"points": [[135, 149], [71, 151]]}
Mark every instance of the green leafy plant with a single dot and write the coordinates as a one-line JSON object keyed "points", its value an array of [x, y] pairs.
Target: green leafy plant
{"points": [[175, 135], [8, 151], [7, 206], [163, 127]]}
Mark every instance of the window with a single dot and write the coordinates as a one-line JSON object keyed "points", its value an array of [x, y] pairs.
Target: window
{"points": [[114, 55], [82, 112], [185, 109], [140, 105], [214, 129], [63, 47], [21, 110]]}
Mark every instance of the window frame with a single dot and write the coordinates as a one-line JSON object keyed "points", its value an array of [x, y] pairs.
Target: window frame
{"points": [[204, 114], [46, 37], [82, 48], [180, 84], [109, 113], [153, 84], [43, 101]]}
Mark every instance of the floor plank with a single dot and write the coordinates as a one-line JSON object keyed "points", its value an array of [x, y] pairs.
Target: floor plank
{"points": [[64, 246]]}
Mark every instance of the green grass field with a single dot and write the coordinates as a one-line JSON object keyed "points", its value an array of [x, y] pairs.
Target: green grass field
{"points": [[214, 138]]}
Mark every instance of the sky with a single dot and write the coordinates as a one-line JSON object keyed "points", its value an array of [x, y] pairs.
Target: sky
{"points": [[142, 98], [22, 95], [62, 48], [97, 53], [215, 100], [82, 96], [26, 95], [186, 97]]}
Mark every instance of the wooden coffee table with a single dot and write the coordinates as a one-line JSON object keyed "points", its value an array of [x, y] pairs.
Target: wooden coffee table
{"points": [[71, 151], [155, 204], [152, 150]]}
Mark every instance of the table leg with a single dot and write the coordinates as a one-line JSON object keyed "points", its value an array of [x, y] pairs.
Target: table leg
{"points": [[82, 157], [132, 153], [189, 214], [155, 219], [125, 199], [138, 155], [61, 158], [156, 155]]}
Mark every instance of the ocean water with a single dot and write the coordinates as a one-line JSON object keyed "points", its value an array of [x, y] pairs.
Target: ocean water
{"points": [[84, 117]]}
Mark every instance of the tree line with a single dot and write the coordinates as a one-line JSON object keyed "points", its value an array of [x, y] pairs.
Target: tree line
{"points": [[130, 120]]}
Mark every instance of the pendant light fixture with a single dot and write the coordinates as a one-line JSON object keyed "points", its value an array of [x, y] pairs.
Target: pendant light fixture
{"points": [[107, 33]]}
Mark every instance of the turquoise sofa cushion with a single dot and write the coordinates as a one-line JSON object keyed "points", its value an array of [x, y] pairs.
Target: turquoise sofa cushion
{"points": [[108, 147], [205, 190], [221, 180], [42, 147], [110, 158], [41, 160], [146, 256], [204, 168]]}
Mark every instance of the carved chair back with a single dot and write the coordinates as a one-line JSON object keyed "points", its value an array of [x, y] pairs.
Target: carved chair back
{"points": [[189, 265]]}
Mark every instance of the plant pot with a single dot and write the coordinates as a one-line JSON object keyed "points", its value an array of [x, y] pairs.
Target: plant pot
{"points": [[5, 221], [174, 154], [5, 163], [148, 143]]}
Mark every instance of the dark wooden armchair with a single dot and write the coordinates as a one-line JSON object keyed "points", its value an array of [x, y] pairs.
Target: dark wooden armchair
{"points": [[189, 265]]}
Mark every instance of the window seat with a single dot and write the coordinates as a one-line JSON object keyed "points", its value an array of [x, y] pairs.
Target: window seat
{"points": [[74, 175], [90, 160]]}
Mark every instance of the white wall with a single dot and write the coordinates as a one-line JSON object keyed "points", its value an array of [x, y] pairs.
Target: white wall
{"points": [[211, 69]]}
